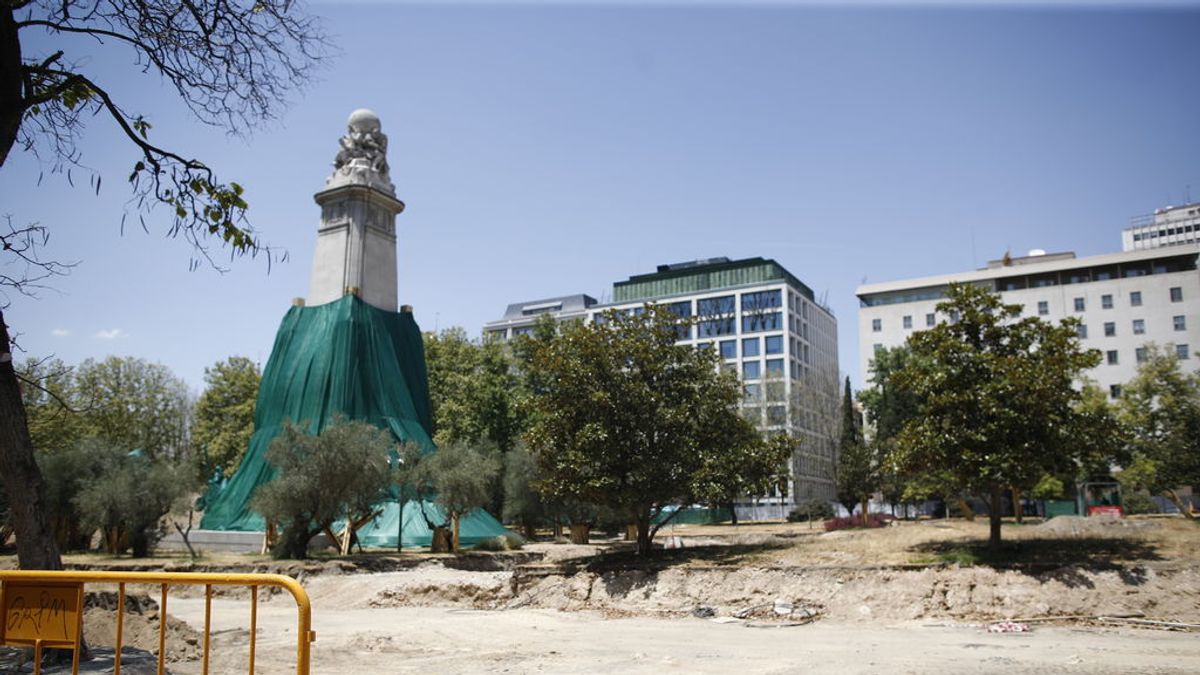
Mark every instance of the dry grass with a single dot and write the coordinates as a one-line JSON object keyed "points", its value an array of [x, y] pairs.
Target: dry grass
{"points": [[1172, 540]]}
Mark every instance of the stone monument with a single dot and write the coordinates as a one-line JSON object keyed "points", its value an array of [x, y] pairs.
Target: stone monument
{"points": [[356, 241]]}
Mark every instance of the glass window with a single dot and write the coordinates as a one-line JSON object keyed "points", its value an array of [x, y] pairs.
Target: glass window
{"points": [[1081, 331], [704, 345], [776, 414], [930, 320], [754, 323], [729, 349], [1180, 322], [877, 347], [716, 327], [908, 321], [1181, 352], [522, 330], [774, 344], [761, 300], [1079, 305], [1111, 355], [1114, 391], [1106, 301], [1177, 294], [753, 391], [750, 347], [1135, 298], [954, 316], [776, 391], [730, 368], [682, 310], [1139, 327], [715, 306], [1043, 308], [1110, 329], [775, 366], [1140, 354], [751, 370]]}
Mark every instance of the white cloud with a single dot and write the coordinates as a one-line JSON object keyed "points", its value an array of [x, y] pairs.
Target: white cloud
{"points": [[110, 334], [60, 332]]}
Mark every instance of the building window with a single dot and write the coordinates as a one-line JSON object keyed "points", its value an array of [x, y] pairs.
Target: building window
{"points": [[751, 370], [1114, 391], [750, 347], [730, 368], [729, 349], [1140, 354], [754, 323], [761, 300], [774, 344], [1181, 352], [1180, 323], [908, 321], [877, 347], [954, 316], [775, 366], [876, 325], [704, 345], [1135, 298], [930, 320], [753, 392], [1139, 326], [1111, 355], [716, 327], [1043, 308], [1106, 301], [1176, 294], [776, 414], [1081, 331], [1079, 304], [1110, 329]]}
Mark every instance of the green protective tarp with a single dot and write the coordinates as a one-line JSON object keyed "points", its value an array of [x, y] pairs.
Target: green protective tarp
{"points": [[413, 531], [343, 358]]}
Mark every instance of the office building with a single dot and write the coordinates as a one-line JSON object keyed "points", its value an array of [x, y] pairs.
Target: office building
{"points": [[1124, 300], [1168, 226], [519, 318]]}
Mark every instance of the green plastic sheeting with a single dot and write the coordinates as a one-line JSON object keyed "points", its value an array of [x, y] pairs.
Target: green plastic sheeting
{"points": [[343, 358], [383, 531]]}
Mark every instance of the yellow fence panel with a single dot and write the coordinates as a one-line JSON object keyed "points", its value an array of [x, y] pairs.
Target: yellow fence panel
{"points": [[45, 610]]}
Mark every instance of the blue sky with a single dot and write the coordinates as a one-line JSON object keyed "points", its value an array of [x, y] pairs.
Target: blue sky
{"points": [[547, 148]]}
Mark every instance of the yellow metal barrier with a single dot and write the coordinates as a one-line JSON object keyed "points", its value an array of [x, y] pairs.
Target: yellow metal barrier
{"points": [[45, 609]]}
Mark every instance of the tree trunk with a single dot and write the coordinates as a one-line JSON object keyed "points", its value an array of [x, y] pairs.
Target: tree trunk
{"points": [[965, 507], [866, 520], [454, 522], [441, 540], [643, 533], [12, 107], [1185, 509], [580, 533], [994, 518], [36, 549], [732, 514], [1018, 511]]}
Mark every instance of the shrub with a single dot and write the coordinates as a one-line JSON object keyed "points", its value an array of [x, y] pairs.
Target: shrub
{"points": [[505, 542], [813, 509], [1137, 502], [874, 520], [129, 497]]}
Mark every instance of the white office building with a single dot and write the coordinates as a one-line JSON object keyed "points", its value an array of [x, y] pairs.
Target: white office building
{"points": [[520, 317], [1125, 301], [1168, 226], [769, 329]]}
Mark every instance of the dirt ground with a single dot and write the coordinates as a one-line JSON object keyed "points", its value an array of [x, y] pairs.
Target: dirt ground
{"points": [[916, 597]]}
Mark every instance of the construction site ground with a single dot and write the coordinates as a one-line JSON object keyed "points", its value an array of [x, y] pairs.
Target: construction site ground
{"points": [[1066, 596]]}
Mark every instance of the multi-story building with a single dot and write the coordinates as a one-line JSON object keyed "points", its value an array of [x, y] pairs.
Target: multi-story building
{"points": [[519, 318], [1168, 226], [771, 330], [1124, 301]]}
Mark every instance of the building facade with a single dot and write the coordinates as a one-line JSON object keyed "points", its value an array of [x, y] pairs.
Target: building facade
{"points": [[520, 317], [1124, 300], [1168, 226], [768, 328]]}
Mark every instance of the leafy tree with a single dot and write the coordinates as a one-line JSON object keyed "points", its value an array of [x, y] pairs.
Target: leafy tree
{"points": [[53, 407], [224, 417], [522, 503], [998, 405], [623, 417], [457, 477], [887, 409], [1160, 408], [231, 63], [856, 470], [134, 405], [68, 471], [340, 474], [129, 497]]}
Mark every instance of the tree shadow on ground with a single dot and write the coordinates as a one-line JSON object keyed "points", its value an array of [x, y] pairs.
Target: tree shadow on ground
{"points": [[711, 555], [1064, 559]]}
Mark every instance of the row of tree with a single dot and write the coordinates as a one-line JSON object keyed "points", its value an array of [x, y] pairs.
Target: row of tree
{"points": [[990, 403]]}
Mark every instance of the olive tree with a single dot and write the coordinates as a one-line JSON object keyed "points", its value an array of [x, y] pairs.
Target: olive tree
{"points": [[458, 478]]}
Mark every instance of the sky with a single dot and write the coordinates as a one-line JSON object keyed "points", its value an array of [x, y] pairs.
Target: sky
{"points": [[555, 147]]}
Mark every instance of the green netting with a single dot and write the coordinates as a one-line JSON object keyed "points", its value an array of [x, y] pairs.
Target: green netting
{"points": [[413, 531], [345, 357]]}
